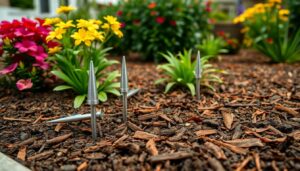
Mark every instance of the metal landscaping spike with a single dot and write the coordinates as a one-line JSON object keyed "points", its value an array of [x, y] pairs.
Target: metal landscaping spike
{"points": [[77, 117], [92, 99], [198, 71], [124, 88], [132, 92]]}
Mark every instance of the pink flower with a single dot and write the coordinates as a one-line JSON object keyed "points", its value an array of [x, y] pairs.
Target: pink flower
{"points": [[160, 20], [22, 32], [26, 45], [24, 84], [39, 54], [42, 64], [123, 25], [9, 69]]}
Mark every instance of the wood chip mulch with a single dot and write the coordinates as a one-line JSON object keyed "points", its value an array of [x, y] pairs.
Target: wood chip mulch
{"points": [[251, 122]]}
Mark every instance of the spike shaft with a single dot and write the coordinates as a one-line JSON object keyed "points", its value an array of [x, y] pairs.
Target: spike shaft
{"points": [[93, 122], [198, 88], [124, 99]]}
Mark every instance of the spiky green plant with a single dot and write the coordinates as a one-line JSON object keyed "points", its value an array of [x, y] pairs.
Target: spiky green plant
{"points": [[180, 70]]}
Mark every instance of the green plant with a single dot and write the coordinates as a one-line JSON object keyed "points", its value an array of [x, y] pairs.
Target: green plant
{"points": [[180, 71], [24, 4], [151, 26], [267, 29], [294, 6], [80, 42], [212, 46]]}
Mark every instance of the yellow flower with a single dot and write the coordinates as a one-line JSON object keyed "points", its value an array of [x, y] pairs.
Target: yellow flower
{"points": [[105, 26], [283, 14], [54, 50], [110, 19], [88, 24], [82, 36], [64, 9], [275, 1], [118, 33], [56, 34], [51, 21], [65, 25], [245, 30], [98, 35]]}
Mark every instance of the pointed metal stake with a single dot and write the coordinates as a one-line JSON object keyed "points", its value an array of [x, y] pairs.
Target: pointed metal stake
{"points": [[198, 71], [92, 99], [76, 117], [124, 88]]}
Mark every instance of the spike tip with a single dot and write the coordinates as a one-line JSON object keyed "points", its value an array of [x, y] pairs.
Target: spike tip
{"points": [[92, 89], [124, 79]]}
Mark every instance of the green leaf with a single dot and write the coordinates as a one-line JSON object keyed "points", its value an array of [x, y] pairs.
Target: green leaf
{"points": [[62, 87], [192, 88], [113, 91], [169, 86], [159, 81], [79, 100], [102, 96]]}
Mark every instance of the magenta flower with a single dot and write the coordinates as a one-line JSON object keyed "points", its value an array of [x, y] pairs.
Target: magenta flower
{"points": [[39, 54], [22, 32], [9, 69], [42, 64], [24, 84], [26, 46]]}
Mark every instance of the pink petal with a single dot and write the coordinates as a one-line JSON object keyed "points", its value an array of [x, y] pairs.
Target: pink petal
{"points": [[9, 69], [24, 84]]}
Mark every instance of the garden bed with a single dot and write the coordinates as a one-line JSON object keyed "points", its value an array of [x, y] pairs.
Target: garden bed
{"points": [[252, 121]]}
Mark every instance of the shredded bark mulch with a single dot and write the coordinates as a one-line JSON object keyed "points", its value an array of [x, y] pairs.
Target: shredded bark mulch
{"points": [[251, 122]]}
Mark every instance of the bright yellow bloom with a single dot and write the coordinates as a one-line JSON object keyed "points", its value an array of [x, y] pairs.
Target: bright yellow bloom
{"points": [[118, 33], [275, 1], [54, 50], [283, 14], [64, 9], [88, 24], [51, 21], [83, 36], [110, 19], [105, 26], [56, 34], [98, 35], [65, 25], [6, 41]]}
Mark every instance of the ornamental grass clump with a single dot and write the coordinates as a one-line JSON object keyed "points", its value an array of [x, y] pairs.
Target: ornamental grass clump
{"points": [[266, 27], [23, 51], [180, 71], [80, 42]]}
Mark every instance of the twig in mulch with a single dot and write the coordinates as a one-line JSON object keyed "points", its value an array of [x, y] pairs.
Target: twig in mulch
{"points": [[144, 135], [257, 161], [244, 163], [216, 164], [41, 156], [134, 127], [216, 150], [233, 148], [59, 139], [121, 139], [170, 156], [287, 110], [17, 119]]}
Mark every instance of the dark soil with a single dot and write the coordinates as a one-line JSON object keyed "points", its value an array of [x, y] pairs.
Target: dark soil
{"points": [[251, 122]]}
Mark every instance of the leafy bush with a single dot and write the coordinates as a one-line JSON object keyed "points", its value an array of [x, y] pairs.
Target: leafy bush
{"points": [[212, 46], [152, 26], [23, 48], [81, 41], [180, 70], [267, 28], [294, 6]]}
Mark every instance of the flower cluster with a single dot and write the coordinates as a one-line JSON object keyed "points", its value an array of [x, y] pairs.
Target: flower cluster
{"points": [[231, 44], [262, 8], [83, 31], [24, 51]]}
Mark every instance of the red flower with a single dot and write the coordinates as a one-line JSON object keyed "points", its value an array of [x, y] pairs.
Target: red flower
{"points": [[152, 5], [119, 13], [136, 22], [269, 40], [172, 23], [24, 84], [160, 20]]}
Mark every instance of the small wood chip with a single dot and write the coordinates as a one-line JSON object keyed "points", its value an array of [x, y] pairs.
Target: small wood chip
{"points": [[228, 119], [216, 150], [121, 139], [206, 132], [134, 127], [170, 156], [216, 164], [59, 139], [287, 110], [249, 142], [233, 148], [82, 166], [150, 145], [144, 135], [58, 127], [244, 163], [257, 161], [22, 153], [95, 156], [38, 119], [97, 147], [28, 141], [41, 156], [147, 117], [165, 117]]}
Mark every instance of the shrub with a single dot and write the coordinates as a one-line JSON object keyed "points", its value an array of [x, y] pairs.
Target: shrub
{"points": [[180, 71], [81, 41], [152, 26], [23, 48], [267, 28]]}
